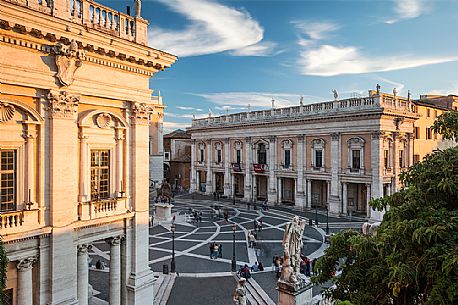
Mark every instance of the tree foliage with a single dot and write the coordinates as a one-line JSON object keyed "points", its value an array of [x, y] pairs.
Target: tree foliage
{"points": [[3, 266], [413, 259]]}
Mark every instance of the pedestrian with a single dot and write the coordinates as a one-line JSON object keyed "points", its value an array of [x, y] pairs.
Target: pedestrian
{"points": [[255, 224], [312, 266], [248, 203], [200, 216], [173, 219], [255, 267], [260, 225], [251, 240], [226, 214], [214, 196], [220, 251], [215, 251], [212, 246], [261, 266]]}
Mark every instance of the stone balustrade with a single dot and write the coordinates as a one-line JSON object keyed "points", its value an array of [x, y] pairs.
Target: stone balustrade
{"points": [[44, 6], [19, 221], [102, 208], [384, 101]]}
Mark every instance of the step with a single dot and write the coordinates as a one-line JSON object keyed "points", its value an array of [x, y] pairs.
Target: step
{"points": [[255, 294], [164, 288]]}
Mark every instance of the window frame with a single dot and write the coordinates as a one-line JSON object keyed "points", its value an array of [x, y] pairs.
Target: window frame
{"points": [[14, 172], [318, 145], [96, 195]]}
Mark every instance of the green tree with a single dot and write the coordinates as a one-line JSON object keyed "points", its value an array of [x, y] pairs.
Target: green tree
{"points": [[3, 266], [413, 258]]}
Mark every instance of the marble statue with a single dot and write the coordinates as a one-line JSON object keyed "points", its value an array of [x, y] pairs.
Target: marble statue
{"points": [[249, 108], [138, 8], [336, 95], [292, 246], [273, 103], [395, 92], [378, 88], [239, 296], [301, 101]]}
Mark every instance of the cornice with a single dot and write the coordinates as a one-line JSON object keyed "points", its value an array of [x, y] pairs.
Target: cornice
{"points": [[32, 38]]}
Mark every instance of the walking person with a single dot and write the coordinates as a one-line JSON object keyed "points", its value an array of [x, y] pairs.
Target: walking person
{"points": [[260, 225], [307, 266], [220, 251], [212, 246], [215, 251]]}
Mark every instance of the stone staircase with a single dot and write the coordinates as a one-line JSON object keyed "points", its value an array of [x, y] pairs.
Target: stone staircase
{"points": [[162, 288], [255, 294]]}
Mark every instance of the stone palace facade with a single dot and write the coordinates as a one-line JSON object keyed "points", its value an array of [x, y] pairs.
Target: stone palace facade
{"points": [[338, 154], [75, 117]]}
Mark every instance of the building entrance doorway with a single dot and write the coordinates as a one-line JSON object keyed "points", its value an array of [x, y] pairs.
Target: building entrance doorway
{"points": [[288, 190], [239, 185], [219, 182], [202, 181], [261, 187], [357, 198], [319, 193]]}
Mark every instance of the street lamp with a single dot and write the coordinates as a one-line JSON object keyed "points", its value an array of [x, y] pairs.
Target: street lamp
{"points": [[327, 220], [234, 263], [233, 195], [172, 263], [316, 214]]}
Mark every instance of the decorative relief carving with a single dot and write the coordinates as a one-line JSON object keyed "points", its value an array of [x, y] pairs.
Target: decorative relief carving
{"points": [[26, 263], [103, 120], [68, 60], [140, 113], [6, 112], [62, 105]]}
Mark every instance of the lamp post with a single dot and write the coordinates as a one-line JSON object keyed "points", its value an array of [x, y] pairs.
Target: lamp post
{"points": [[327, 220], [234, 263], [172, 263], [316, 214], [233, 194]]}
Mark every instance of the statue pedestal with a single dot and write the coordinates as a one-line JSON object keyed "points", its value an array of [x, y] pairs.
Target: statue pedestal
{"points": [[290, 295], [163, 212]]}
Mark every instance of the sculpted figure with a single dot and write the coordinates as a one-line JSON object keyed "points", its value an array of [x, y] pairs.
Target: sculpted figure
{"points": [[239, 296], [292, 246], [378, 88], [336, 95], [138, 8]]}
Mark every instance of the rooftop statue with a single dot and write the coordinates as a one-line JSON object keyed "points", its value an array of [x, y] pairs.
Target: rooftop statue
{"points": [[138, 8]]}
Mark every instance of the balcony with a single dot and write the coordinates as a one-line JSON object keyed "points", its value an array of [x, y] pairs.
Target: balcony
{"points": [[237, 167], [354, 171], [102, 208], [199, 163], [260, 168], [283, 167], [217, 164], [19, 221]]}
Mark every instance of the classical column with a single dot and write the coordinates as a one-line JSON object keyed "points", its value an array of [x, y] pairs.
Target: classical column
{"points": [[227, 168], [377, 170], [84, 163], [279, 190], [345, 198], [300, 172], [209, 181], [30, 144], [395, 162], [410, 152], [83, 274], [193, 186], [247, 191], [333, 190], [309, 194], [115, 270], [119, 162], [24, 281], [368, 198], [272, 177]]}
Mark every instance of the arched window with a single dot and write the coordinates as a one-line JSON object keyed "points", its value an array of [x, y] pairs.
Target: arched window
{"points": [[218, 152], [402, 153], [262, 153], [201, 156], [318, 154], [287, 146], [356, 154], [238, 152]]}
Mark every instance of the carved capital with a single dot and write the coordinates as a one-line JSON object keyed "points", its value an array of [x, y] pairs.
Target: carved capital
{"points": [[113, 241], [83, 249], [7, 112], [335, 136], [272, 139], [377, 134], [62, 105], [26, 263], [68, 59], [140, 113]]}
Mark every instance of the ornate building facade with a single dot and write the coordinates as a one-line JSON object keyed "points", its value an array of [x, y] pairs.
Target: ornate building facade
{"points": [[336, 154], [75, 116]]}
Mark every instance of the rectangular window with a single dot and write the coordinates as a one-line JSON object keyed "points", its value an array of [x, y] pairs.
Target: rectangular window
{"points": [[401, 158], [100, 174], [7, 180], [219, 157], [287, 162], [318, 158], [428, 113], [386, 158], [417, 132], [428, 133], [201, 155], [151, 148], [238, 156], [356, 159], [416, 158], [435, 113]]}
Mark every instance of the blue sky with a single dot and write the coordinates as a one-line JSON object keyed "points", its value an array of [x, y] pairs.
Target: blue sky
{"points": [[235, 53]]}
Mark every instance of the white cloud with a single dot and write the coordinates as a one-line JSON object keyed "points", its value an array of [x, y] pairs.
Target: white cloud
{"points": [[264, 48], [315, 30], [184, 115], [399, 86], [407, 9], [451, 89], [328, 60], [256, 99], [212, 28], [189, 108]]}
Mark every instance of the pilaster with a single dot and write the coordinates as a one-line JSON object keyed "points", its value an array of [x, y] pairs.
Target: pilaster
{"points": [[209, 182], [24, 281], [248, 151], [193, 187], [333, 199], [272, 193], [300, 194], [377, 170], [227, 168]]}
